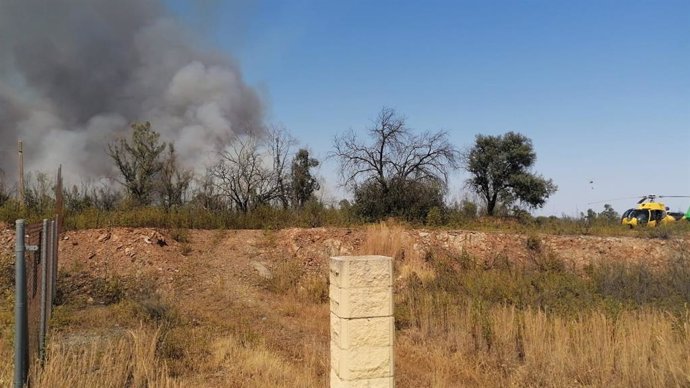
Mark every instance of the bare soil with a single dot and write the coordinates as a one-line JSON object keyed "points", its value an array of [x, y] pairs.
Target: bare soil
{"points": [[215, 275]]}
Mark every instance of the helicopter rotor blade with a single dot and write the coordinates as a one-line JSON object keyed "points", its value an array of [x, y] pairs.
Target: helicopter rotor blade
{"points": [[674, 196], [613, 200]]}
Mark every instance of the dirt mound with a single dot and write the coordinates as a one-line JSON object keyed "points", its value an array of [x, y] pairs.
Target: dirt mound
{"points": [[153, 255], [123, 252]]}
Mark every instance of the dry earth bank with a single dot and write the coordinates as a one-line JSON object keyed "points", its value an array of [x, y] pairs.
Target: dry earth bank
{"points": [[246, 307]]}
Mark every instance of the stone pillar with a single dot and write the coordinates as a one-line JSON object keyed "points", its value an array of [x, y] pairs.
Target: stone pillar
{"points": [[362, 328]]}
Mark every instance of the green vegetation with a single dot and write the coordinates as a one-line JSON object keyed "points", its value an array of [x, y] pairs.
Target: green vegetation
{"points": [[398, 173], [545, 283], [499, 167]]}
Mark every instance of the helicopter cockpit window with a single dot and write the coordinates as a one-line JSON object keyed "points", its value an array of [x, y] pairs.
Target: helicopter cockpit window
{"points": [[641, 215], [657, 215], [627, 213]]}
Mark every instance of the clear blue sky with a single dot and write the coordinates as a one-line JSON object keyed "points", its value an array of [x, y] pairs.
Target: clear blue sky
{"points": [[601, 87]]}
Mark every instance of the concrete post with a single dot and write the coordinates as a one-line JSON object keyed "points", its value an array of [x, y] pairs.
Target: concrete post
{"points": [[362, 327]]}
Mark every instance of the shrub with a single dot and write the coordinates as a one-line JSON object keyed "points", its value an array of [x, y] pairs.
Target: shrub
{"points": [[434, 217], [179, 235]]}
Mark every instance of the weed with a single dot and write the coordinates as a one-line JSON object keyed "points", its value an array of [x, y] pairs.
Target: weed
{"points": [[285, 279], [314, 289], [180, 235], [107, 291], [434, 217], [153, 308], [465, 262], [534, 243]]}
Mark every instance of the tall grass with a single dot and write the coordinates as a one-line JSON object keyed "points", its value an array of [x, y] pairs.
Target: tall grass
{"points": [[393, 239], [469, 345], [468, 322], [119, 361]]}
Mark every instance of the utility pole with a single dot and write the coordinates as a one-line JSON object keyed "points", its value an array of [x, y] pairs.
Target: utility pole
{"points": [[20, 189]]}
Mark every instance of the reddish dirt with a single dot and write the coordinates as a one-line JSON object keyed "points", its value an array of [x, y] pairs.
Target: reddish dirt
{"points": [[213, 275], [147, 252]]}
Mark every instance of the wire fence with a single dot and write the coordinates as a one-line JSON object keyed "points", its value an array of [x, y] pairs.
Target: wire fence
{"points": [[36, 250]]}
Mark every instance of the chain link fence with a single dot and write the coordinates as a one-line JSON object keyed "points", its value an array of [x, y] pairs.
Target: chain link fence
{"points": [[36, 255]]}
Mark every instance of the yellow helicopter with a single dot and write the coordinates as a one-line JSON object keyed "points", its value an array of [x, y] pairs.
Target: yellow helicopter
{"points": [[653, 213]]}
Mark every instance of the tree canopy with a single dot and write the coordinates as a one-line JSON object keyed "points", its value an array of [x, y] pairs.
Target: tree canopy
{"points": [[396, 161], [500, 172], [304, 184], [139, 161]]}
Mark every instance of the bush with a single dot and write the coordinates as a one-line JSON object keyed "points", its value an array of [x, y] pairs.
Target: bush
{"points": [[434, 217], [409, 200]]}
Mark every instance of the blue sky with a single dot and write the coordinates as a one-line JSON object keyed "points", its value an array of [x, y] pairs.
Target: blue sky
{"points": [[601, 87]]}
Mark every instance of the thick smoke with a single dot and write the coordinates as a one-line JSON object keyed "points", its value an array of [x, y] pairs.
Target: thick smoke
{"points": [[75, 73]]}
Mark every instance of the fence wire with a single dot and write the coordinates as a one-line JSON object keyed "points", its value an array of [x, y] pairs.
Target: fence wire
{"points": [[34, 280], [35, 284]]}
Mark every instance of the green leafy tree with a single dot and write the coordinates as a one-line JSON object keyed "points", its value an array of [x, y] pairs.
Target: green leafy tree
{"points": [[609, 214], [387, 174], [499, 168], [304, 184], [139, 161]]}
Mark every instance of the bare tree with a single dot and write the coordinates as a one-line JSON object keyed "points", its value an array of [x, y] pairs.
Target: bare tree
{"points": [[281, 142], [256, 171], [396, 153], [241, 175], [174, 180], [4, 191], [39, 188], [206, 194], [396, 159]]}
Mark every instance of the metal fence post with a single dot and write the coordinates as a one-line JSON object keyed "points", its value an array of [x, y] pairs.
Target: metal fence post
{"points": [[50, 257], [44, 291], [21, 342], [56, 237]]}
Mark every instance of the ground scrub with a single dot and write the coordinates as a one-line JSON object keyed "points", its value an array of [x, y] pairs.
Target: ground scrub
{"points": [[545, 283], [495, 323]]}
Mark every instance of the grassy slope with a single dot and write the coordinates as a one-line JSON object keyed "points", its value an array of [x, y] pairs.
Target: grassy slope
{"points": [[461, 321]]}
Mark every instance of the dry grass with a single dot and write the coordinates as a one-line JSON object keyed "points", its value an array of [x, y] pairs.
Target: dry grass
{"points": [[503, 346], [122, 361], [392, 239], [456, 327]]}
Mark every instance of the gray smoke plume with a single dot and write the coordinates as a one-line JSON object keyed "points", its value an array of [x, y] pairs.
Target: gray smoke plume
{"points": [[75, 73]]}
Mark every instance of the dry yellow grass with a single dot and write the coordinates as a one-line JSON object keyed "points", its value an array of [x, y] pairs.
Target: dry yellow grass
{"points": [[393, 239], [241, 335], [503, 346], [129, 360]]}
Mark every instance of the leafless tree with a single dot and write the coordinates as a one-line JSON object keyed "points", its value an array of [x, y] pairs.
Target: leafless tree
{"points": [[241, 175], [281, 142], [174, 180], [255, 171], [395, 154], [206, 194]]}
